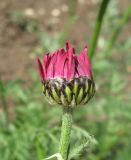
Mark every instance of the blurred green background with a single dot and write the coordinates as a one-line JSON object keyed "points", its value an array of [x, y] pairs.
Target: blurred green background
{"points": [[29, 126]]}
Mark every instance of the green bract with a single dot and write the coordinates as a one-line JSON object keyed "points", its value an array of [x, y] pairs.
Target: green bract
{"points": [[69, 93]]}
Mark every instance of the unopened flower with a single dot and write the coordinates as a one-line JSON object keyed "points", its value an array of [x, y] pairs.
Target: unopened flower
{"points": [[66, 77]]}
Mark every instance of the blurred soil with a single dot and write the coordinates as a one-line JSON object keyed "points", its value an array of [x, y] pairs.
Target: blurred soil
{"points": [[17, 44]]}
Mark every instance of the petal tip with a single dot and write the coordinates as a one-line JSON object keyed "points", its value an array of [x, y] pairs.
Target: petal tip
{"points": [[68, 45], [41, 72]]}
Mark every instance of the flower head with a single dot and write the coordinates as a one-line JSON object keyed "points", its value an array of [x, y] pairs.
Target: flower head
{"points": [[67, 78]]}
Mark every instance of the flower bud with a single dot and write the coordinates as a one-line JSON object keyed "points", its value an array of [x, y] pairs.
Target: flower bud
{"points": [[66, 77]]}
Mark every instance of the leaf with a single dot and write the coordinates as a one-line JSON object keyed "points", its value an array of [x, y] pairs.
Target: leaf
{"points": [[84, 142], [57, 155]]}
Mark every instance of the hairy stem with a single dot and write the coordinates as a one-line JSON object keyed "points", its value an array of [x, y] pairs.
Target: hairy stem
{"points": [[65, 132]]}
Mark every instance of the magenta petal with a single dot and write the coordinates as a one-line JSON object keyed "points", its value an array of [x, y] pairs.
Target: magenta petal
{"points": [[87, 63], [50, 71], [71, 64], [59, 65], [81, 65], [80, 70], [65, 69], [41, 71], [46, 62], [76, 73], [65, 64]]}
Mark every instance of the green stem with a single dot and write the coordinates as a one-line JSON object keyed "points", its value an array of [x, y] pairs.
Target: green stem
{"points": [[65, 132], [97, 28], [126, 16], [4, 101]]}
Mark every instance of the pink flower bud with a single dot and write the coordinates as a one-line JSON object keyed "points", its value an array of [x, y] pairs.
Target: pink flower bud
{"points": [[67, 77]]}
